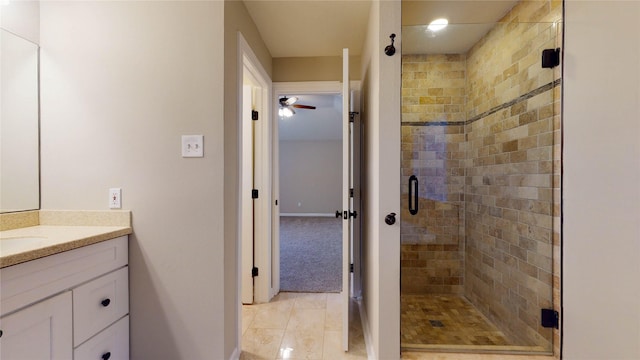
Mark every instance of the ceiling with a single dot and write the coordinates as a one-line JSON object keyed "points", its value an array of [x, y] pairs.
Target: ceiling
{"points": [[304, 28], [323, 123]]}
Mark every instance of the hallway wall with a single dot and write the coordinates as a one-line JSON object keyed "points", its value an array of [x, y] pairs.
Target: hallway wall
{"points": [[315, 68], [601, 181], [120, 83], [381, 138]]}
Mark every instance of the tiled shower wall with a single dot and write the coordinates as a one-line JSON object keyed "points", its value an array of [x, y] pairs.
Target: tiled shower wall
{"points": [[433, 150], [512, 172], [507, 239]]}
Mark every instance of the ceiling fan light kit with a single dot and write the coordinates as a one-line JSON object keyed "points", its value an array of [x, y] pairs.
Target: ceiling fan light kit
{"points": [[288, 103]]}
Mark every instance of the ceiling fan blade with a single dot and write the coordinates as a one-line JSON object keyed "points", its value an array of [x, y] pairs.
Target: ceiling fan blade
{"points": [[300, 106]]}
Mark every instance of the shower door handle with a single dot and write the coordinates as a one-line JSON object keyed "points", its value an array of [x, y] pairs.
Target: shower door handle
{"points": [[413, 195]]}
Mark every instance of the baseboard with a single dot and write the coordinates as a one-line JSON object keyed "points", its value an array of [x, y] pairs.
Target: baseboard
{"points": [[368, 340], [308, 214]]}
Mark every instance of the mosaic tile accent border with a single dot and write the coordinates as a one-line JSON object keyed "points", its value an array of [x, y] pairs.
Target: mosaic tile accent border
{"points": [[494, 110]]}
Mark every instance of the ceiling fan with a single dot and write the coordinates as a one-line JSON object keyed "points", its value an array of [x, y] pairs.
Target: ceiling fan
{"points": [[287, 104]]}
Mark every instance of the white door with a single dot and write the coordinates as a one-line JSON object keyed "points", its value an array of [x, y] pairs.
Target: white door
{"points": [[347, 210], [247, 228]]}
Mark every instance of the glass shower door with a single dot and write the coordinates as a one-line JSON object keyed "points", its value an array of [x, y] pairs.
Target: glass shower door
{"points": [[480, 135]]}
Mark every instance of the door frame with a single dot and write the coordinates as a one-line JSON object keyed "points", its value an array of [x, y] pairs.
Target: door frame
{"points": [[262, 138], [294, 88]]}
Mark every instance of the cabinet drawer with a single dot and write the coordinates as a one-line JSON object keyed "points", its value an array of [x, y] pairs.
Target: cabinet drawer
{"points": [[29, 282], [110, 344], [99, 303]]}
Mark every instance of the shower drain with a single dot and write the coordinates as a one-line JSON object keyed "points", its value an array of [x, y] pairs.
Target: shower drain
{"points": [[436, 323]]}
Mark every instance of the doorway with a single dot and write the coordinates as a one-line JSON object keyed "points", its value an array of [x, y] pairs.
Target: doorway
{"points": [[310, 173], [255, 265]]}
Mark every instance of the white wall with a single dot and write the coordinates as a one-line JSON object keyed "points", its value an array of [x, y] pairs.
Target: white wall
{"points": [[22, 18], [381, 183], [310, 174], [121, 82], [601, 195]]}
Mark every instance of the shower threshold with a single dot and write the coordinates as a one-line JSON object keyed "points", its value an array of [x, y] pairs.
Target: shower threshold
{"points": [[477, 349]]}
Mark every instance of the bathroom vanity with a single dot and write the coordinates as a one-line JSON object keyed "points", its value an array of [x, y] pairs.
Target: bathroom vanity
{"points": [[64, 292]]}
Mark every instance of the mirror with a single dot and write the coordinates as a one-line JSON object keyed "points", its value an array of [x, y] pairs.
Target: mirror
{"points": [[19, 124]]}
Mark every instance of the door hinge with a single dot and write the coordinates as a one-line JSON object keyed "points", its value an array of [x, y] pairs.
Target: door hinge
{"points": [[254, 193], [351, 268], [254, 115], [352, 116], [549, 318], [351, 192], [254, 272]]}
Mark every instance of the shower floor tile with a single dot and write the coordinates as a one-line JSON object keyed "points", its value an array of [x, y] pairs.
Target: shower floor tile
{"points": [[445, 320]]}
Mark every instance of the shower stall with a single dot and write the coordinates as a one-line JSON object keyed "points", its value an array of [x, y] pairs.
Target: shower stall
{"points": [[481, 183]]}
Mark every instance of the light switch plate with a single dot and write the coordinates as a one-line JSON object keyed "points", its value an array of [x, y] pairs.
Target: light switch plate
{"points": [[192, 145]]}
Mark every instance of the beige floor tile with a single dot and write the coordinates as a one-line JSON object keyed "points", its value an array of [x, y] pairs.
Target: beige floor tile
{"points": [[306, 319], [333, 347], [283, 296], [302, 344], [248, 314], [261, 343], [334, 298], [271, 318], [333, 320], [311, 301]]}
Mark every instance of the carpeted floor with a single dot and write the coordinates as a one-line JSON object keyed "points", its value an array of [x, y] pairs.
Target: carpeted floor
{"points": [[310, 254]]}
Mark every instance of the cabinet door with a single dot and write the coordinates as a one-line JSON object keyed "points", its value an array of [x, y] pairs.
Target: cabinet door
{"points": [[40, 331]]}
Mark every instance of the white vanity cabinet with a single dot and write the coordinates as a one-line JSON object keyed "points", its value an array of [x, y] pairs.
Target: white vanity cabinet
{"points": [[72, 305]]}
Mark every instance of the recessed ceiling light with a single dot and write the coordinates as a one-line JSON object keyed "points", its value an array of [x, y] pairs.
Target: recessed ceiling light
{"points": [[438, 24]]}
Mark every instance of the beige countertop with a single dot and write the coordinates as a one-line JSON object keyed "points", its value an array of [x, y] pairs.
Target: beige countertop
{"points": [[28, 243]]}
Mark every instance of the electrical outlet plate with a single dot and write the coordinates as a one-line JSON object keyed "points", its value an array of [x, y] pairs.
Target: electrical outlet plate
{"points": [[192, 145], [115, 198]]}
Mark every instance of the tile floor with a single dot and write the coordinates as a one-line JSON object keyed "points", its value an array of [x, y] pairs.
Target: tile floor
{"points": [[300, 326], [445, 320], [308, 326]]}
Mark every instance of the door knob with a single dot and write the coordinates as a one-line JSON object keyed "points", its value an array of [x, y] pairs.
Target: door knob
{"points": [[390, 219], [338, 214]]}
